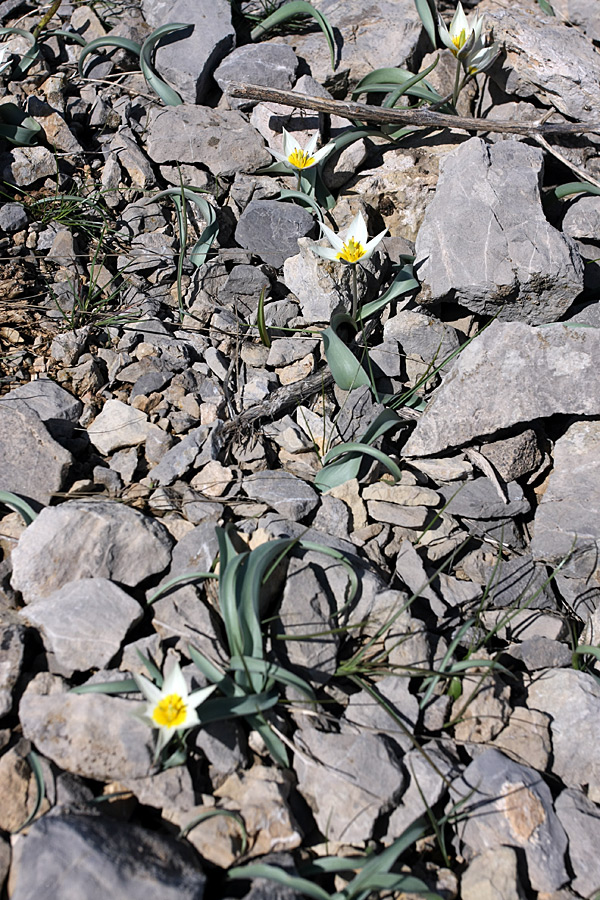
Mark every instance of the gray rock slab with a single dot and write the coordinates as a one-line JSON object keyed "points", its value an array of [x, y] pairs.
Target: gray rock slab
{"points": [[88, 539], [544, 58], [510, 804], [183, 615], [220, 140], [13, 217], [32, 463], [271, 229], [582, 219], [76, 856], [189, 61], [479, 499], [365, 710], [514, 456], [290, 496], [509, 260], [420, 334], [119, 425], [429, 771], [270, 65], [84, 623], [581, 820], [307, 608], [542, 653], [92, 735], [385, 34], [492, 875], [542, 372], [351, 782], [181, 458], [519, 582], [25, 165], [52, 403], [567, 520], [12, 646], [571, 698]]}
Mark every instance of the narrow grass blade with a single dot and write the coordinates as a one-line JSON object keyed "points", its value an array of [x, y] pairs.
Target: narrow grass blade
{"points": [[384, 861], [428, 13], [40, 784], [187, 578], [17, 127], [166, 93], [260, 320], [575, 187], [17, 504], [432, 680], [108, 41], [292, 10], [127, 686], [280, 876], [208, 814]]}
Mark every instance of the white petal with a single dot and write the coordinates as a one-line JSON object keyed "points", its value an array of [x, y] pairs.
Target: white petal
{"points": [[278, 155], [373, 243], [358, 230], [289, 144], [332, 237], [310, 147], [148, 689], [174, 683], [191, 719], [326, 252], [459, 22], [197, 697], [323, 152], [445, 34]]}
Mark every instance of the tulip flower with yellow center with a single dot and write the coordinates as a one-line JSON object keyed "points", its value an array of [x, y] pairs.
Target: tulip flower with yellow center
{"points": [[297, 158], [354, 248], [171, 708]]}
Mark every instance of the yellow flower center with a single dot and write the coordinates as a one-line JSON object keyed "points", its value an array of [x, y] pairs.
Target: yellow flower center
{"points": [[300, 159], [352, 251], [170, 711], [460, 40]]}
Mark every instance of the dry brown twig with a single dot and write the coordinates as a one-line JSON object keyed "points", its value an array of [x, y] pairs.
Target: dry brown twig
{"points": [[420, 117]]}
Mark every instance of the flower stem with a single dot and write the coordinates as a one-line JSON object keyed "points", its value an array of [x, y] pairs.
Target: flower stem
{"points": [[457, 84], [299, 182], [354, 294]]}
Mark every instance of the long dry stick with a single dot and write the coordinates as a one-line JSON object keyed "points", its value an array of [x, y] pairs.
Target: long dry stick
{"points": [[421, 117]]}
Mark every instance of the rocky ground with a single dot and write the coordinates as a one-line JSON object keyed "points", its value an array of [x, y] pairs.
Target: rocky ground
{"points": [[140, 408]]}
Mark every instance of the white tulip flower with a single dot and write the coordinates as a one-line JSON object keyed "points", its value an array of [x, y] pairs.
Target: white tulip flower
{"points": [[298, 158], [462, 36], [170, 708], [480, 58], [355, 247]]}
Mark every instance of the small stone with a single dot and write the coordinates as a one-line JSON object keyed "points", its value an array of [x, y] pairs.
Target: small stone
{"points": [[515, 456], [213, 479], [403, 494], [12, 641], [492, 876], [13, 217], [271, 229], [84, 623], [270, 65], [526, 738], [283, 492], [394, 514], [24, 166]]}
